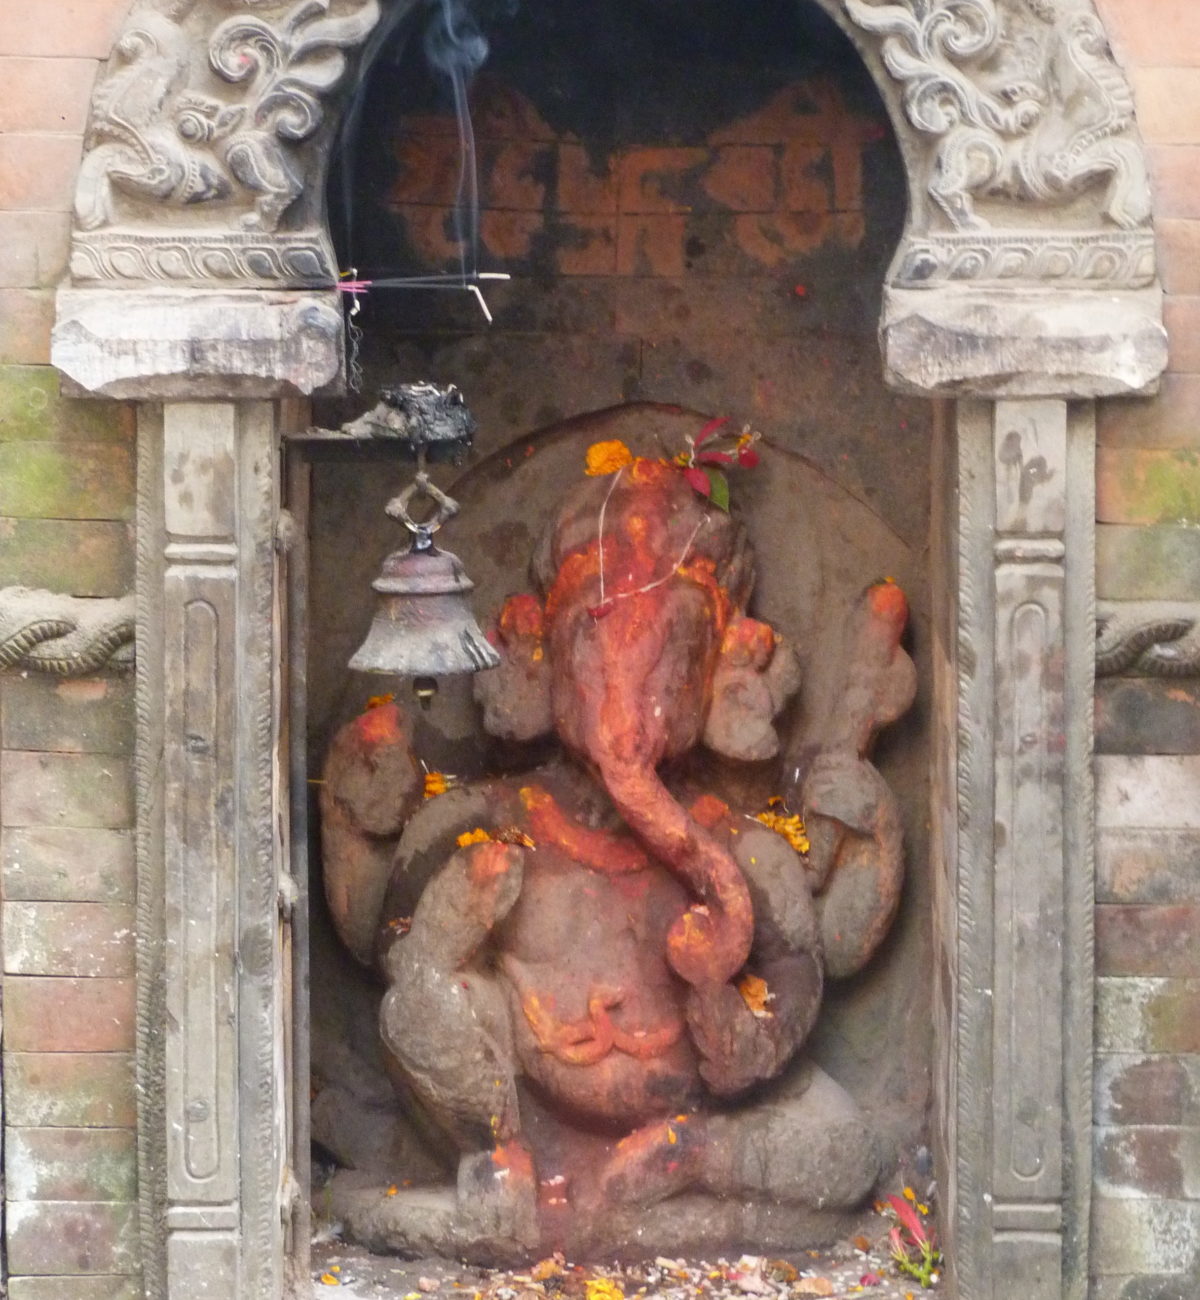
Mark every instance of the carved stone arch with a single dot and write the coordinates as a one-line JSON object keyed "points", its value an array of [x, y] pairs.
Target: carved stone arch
{"points": [[201, 285], [1028, 242]]}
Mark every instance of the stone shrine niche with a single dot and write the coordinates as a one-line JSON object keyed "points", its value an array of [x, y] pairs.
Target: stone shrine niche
{"points": [[818, 1047], [671, 254]]}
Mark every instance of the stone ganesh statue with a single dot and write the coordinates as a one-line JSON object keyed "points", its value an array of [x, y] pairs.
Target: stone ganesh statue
{"points": [[600, 974]]}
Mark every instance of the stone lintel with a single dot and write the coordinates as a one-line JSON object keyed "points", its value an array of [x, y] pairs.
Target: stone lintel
{"points": [[178, 344], [996, 342]]}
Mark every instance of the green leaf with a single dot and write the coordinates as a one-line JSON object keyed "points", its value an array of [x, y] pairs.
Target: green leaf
{"points": [[720, 488]]}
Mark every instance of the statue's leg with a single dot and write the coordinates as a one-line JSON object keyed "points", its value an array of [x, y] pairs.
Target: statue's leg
{"points": [[653, 1162], [444, 1020], [445, 1026], [808, 1144]]}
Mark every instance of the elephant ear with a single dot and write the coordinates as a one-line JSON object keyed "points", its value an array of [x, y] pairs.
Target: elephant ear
{"points": [[516, 696], [756, 674]]}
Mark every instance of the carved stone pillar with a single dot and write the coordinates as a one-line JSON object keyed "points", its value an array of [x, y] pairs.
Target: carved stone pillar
{"points": [[1015, 908], [210, 982]]}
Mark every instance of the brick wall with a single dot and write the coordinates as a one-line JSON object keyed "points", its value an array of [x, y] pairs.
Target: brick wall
{"points": [[66, 853], [66, 871], [1147, 1096]]}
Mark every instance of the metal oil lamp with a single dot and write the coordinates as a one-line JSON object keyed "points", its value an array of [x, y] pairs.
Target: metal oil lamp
{"points": [[423, 626]]}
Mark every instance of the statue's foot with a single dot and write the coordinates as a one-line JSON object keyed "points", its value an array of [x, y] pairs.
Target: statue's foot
{"points": [[808, 1145], [489, 1218]]}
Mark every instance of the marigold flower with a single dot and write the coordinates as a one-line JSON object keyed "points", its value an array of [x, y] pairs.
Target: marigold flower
{"points": [[756, 995], [477, 836], [602, 1288], [790, 826], [436, 783], [607, 457]]}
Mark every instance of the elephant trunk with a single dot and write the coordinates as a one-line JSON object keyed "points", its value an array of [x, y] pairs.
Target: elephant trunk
{"points": [[710, 942]]}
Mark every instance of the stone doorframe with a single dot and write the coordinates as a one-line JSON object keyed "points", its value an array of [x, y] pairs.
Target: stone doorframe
{"points": [[201, 287]]}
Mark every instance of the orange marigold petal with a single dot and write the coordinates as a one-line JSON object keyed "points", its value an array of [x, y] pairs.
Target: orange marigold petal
{"points": [[607, 457]]}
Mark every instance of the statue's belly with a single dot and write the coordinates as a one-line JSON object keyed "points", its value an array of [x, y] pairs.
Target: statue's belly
{"points": [[597, 1014]]}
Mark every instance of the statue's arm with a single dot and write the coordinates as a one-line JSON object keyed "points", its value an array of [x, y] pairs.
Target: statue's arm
{"points": [[445, 1018], [747, 1030]]}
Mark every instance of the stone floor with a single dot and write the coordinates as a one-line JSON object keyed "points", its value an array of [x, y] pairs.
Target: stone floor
{"points": [[861, 1267]]}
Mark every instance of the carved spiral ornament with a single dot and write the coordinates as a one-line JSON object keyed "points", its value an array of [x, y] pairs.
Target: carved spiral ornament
{"points": [[65, 636]]}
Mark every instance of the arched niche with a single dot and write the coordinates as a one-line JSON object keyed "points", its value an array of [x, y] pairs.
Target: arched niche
{"points": [[202, 287], [1027, 252]]}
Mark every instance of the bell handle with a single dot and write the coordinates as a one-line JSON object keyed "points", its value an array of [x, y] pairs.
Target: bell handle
{"points": [[423, 530]]}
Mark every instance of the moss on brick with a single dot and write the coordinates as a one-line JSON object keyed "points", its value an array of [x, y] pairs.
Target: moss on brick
{"points": [[47, 480], [31, 409], [76, 557]]}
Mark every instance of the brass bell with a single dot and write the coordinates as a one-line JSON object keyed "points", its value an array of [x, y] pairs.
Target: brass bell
{"points": [[423, 626]]}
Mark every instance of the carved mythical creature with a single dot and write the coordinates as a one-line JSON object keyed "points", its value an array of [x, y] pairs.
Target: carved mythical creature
{"points": [[154, 138], [1028, 103], [592, 968]]}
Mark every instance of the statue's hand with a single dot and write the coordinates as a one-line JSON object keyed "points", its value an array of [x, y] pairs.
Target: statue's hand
{"points": [[461, 905], [736, 1051], [843, 788]]}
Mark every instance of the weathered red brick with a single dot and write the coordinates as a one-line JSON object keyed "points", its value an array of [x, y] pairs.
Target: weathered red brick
{"points": [[431, 232], [66, 790], [1147, 716], [53, 1014], [26, 319], [70, 1237], [776, 238], [43, 94], [1139, 1014], [69, 1164], [84, 864], [1145, 1161], [807, 174], [587, 245], [77, 557], [1181, 316], [1140, 1235], [1148, 939], [508, 235], [78, 715], [33, 249], [582, 189], [1168, 104], [1153, 562], [70, 1090], [427, 171], [1175, 179], [660, 180], [1148, 866], [68, 939], [1163, 34], [499, 112], [1172, 419], [1144, 486], [100, 1287], [743, 178], [32, 410], [38, 171], [51, 480], [1135, 1089], [515, 176], [1179, 255], [61, 28], [651, 244]]}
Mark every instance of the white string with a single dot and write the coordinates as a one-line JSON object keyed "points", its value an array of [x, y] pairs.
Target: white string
{"points": [[612, 487], [658, 582]]}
